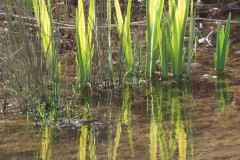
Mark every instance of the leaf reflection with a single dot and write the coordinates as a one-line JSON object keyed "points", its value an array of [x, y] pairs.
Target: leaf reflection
{"points": [[222, 95], [165, 106], [125, 119]]}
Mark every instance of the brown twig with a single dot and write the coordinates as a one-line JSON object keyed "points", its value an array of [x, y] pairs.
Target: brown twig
{"points": [[31, 21]]}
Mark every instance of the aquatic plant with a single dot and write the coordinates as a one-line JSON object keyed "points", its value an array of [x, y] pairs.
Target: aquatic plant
{"points": [[26, 74], [223, 44], [138, 60], [85, 47], [123, 27], [44, 19], [45, 26], [154, 9], [178, 14], [164, 49]]}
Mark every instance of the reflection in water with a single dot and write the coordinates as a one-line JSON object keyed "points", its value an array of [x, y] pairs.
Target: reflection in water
{"points": [[168, 135], [124, 119], [222, 95], [87, 133], [46, 148], [83, 143], [159, 98], [154, 104], [178, 133], [86, 143]]}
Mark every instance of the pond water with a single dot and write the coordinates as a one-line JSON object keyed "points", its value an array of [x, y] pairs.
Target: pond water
{"points": [[195, 119], [175, 121]]}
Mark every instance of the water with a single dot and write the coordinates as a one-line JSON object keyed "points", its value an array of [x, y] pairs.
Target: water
{"points": [[195, 119], [159, 120]]}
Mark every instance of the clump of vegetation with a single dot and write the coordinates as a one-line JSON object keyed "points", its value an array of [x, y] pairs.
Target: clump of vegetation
{"points": [[85, 45], [44, 19], [178, 14], [123, 27], [36, 73], [154, 34], [223, 44]]}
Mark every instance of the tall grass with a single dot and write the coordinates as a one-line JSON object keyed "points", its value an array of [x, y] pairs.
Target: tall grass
{"points": [[223, 44], [85, 47], [178, 14], [123, 27], [44, 19], [164, 48], [165, 34], [31, 68], [154, 16]]}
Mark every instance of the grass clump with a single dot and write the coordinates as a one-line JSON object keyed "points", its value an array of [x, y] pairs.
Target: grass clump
{"points": [[165, 44], [154, 33], [123, 28], [44, 19], [223, 44], [85, 47], [178, 14]]}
